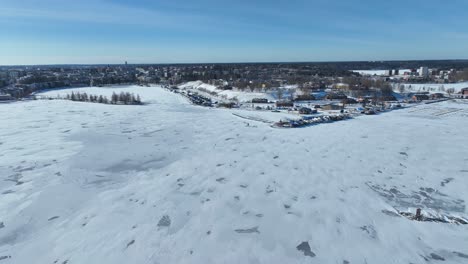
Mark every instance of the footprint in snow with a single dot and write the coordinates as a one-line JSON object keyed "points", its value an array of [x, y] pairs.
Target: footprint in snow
{"points": [[130, 243], [445, 181], [370, 230], [221, 180], [434, 256], [165, 221]]}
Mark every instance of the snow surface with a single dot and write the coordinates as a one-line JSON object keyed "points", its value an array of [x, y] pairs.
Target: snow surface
{"points": [[169, 182], [434, 87]]}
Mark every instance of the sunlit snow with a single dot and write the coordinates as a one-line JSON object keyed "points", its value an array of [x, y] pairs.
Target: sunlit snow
{"points": [[169, 182]]}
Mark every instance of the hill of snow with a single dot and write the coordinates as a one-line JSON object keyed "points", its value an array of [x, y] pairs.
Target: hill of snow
{"points": [[169, 182]]}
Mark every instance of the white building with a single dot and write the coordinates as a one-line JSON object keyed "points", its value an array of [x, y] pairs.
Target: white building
{"points": [[424, 71]]}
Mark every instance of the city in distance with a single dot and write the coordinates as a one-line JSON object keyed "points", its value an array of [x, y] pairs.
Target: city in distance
{"points": [[233, 132]]}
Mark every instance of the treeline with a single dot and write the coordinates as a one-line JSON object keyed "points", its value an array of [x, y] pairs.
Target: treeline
{"points": [[122, 98], [461, 76]]}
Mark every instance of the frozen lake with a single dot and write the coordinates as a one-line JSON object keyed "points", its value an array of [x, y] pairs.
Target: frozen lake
{"points": [[169, 182]]}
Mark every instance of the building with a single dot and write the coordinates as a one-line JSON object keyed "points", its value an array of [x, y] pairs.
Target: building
{"points": [[436, 96], [424, 72], [464, 93], [332, 107], [335, 96], [420, 97], [5, 97], [284, 104], [260, 101], [306, 111], [305, 97]]}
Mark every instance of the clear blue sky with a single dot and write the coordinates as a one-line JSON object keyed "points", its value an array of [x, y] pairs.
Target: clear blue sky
{"points": [[152, 31]]}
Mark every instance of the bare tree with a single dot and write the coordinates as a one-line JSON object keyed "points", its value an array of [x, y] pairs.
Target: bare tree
{"points": [[279, 93]]}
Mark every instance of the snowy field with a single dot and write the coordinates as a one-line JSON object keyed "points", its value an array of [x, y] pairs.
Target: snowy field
{"points": [[434, 87], [169, 182]]}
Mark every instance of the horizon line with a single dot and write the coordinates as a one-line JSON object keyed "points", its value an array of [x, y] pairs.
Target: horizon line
{"points": [[240, 62]]}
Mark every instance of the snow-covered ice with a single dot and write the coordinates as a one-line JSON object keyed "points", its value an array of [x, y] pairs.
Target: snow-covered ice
{"points": [[169, 182]]}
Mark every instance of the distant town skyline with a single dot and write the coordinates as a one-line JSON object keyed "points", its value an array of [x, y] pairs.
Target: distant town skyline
{"points": [[208, 31]]}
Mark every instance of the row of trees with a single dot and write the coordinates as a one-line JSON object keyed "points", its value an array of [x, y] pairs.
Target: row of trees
{"points": [[461, 76], [122, 98], [125, 98]]}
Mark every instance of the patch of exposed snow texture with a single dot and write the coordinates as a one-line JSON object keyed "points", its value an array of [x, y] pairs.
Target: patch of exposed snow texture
{"points": [[170, 182]]}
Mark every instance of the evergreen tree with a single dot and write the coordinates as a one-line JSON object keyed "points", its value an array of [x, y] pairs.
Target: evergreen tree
{"points": [[114, 98]]}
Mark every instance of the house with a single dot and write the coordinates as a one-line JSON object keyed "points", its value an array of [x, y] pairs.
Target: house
{"points": [[349, 101], [5, 97], [387, 98], [306, 111], [420, 97], [227, 105], [464, 93], [260, 101], [436, 96], [284, 104], [305, 97], [336, 96], [331, 107], [225, 87]]}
